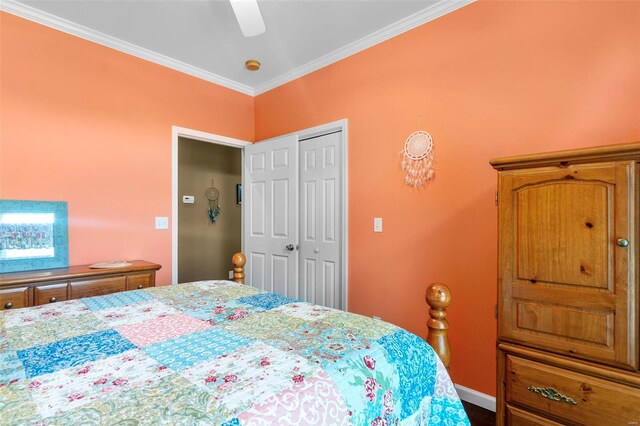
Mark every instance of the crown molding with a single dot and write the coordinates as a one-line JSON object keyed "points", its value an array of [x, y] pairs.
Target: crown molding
{"points": [[410, 22], [428, 14], [27, 12]]}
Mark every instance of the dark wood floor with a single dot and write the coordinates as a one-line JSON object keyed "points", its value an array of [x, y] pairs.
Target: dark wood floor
{"points": [[478, 416]]}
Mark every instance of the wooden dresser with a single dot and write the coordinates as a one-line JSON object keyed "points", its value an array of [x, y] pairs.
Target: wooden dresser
{"points": [[568, 291], [31, 288]]}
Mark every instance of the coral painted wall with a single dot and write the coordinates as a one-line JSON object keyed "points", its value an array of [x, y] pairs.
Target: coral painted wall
{"points": [[86, 124], [491, 79]]}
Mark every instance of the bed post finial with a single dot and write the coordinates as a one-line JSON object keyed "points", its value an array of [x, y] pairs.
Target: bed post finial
{"points": [[238, 260], [438, 297]]}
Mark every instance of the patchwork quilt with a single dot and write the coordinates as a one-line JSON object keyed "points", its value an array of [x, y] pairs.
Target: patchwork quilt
{"points": [[215, 353]]}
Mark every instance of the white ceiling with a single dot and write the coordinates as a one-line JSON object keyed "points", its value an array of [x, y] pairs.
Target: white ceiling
{"points": [[202, 37]]}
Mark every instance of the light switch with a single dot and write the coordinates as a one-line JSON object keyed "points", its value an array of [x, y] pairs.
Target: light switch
{"points": [[188, 199], [162, 222], [377, 224]]}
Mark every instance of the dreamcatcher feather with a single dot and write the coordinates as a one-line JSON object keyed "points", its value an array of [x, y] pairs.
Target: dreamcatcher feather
{"points": [[417, 159], [213, 196]]}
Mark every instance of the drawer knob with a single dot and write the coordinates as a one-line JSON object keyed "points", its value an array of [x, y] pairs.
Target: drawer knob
{"points": [[8, 305], [622, 242], [53, 299], [552, 394], [139, 286]]}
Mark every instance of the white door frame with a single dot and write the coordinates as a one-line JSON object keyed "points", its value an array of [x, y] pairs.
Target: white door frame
{"points": [[334, 126], [177, 132]]}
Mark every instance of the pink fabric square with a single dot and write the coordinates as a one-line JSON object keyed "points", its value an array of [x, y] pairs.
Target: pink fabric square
{"points": [[315, 401], [158, 329]]}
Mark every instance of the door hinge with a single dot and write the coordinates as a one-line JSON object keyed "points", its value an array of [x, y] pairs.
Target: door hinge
{"points": [[496, 198]]}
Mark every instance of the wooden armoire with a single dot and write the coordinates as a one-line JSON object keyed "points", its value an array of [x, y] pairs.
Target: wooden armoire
{"points": [[568, 291]]}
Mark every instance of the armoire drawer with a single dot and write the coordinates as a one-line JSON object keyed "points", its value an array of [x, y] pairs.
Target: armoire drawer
{"points": [[98, 287], [568, 396], [13, 298], [49, 293], [518, 417]]}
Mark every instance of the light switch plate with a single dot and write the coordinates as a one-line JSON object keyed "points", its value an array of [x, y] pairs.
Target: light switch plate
{"points": [[377, 224], [188, 199], [230, 275], [162, 222]]}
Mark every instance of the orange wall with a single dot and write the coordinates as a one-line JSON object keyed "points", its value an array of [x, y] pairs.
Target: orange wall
{"points": [[491, 79], [86, 124]]}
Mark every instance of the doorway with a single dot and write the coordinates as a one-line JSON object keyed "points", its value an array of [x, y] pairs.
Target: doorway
{"points": [[195, 264], [209, 211]]}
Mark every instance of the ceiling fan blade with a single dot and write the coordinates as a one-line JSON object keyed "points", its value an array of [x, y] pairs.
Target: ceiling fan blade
{"points": [[249, 17]]}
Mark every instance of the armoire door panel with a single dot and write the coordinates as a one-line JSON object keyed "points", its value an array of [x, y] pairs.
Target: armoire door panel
{"points": [[564, 278], [578, 326], [562, 233]]}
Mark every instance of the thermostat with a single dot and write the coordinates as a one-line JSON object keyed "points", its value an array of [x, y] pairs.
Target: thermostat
{"points": [[188, 199]]}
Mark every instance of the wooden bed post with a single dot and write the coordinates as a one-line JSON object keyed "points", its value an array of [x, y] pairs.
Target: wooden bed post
{"points": [[238, 260], [438, 297]]}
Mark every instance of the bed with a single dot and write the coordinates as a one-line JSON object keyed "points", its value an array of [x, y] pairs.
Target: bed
{"points": [[220, 352]]}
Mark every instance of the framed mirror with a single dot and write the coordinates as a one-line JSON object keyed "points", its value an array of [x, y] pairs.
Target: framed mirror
{"points": [[33, 235]]}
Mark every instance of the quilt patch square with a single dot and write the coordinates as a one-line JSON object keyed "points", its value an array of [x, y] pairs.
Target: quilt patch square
{"points": [[241, 378], [369, 384], [11, 369], [188, 350], [158, 329], [71, 352], [70, 388], [304, 310], [214, 284], [221, 312], [16, 406], [131, 314], [313, 401], [172, 400], [116, 300], [262, 325], [370, 328], [51, 311], [319, 342], [43, 332], [233, 291], [267, 300], [415, 363]]}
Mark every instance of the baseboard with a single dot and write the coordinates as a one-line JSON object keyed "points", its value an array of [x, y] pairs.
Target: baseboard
{"points": [[476, 398]]}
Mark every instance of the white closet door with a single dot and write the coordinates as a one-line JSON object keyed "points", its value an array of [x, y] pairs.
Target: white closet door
{"points": [[270, 215], [321, 220]]}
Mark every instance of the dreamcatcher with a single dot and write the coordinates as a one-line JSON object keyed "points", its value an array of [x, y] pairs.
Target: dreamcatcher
{"points": [[213, 195], [417, 159]]}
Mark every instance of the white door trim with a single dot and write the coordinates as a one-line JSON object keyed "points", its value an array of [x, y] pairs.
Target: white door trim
{"points": [[177, 132], [339, 125]]}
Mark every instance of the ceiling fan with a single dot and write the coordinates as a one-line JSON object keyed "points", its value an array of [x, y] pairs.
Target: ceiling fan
{"points": [[249, 17]]}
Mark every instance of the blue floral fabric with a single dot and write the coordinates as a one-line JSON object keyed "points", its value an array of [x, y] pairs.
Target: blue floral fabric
{"points": [[71, 352], [267, 300]]}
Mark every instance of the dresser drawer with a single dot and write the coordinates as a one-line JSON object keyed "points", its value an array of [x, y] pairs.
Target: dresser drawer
{"points": [[97, 287], [12, 298], [139, 281], [49, 293], [569, 396]]}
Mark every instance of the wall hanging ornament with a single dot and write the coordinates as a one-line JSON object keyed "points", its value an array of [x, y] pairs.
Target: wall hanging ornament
{"points": [[213, 195], [417, 159]]}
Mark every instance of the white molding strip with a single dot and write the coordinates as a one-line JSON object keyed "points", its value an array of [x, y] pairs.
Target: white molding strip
{"points": [[410, 22], [49, 20], [428, 14], [476, 398]]}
